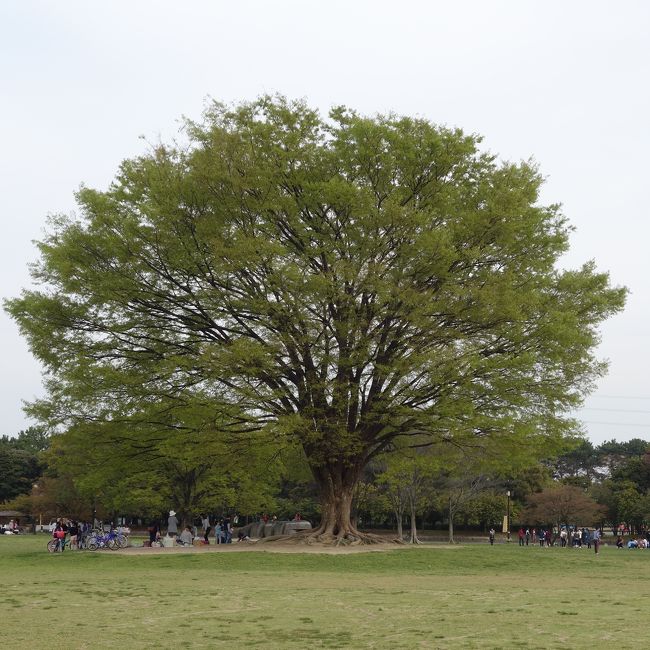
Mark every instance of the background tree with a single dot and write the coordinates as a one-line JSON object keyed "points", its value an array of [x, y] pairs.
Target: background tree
{"points": [[393, 482], [613, 455], [55, 496], [581, 465], [18, 471], [407, 483], [21, 462], [563, 505], [458, 490], [353, 280], [484, 510], [34, 440], [149, 469]]}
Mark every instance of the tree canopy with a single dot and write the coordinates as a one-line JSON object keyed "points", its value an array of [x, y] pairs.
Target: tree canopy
{"points": [[344, 282], [564, 504]]}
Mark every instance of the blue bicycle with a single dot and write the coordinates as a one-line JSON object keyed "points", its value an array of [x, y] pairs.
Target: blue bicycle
{"points": [[111, 540]]}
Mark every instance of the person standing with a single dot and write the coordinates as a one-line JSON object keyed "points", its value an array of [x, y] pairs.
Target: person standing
{"points": [[218, 527], [596, 540], [578, 538], [74, 533], [521, 535], [205, 522], [492, 534], [60, 531], [172, 524]]}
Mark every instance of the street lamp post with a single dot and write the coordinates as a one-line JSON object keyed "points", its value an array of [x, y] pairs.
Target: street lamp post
{"points": [[508, 517]]}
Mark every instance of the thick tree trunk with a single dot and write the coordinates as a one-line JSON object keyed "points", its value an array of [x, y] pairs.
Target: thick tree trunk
{"points": [[336, 510], [451, 523], [336, 484], [414, 532], [400, 529]]}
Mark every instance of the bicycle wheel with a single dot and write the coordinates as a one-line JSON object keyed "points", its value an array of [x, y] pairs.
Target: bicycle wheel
{"points": [[51, 545], [112, 544], [123, 541], [92, 545]]}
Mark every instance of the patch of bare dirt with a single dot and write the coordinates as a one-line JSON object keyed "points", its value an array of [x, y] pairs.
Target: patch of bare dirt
{"points": [[275, 547]]}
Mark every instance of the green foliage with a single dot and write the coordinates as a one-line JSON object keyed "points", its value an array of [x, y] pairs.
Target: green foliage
{"points": [[614, 456], [21, 462], [56, 496], [33, 440], [353, 280], [581, 461], [484, 510], [18, 471], [148, 470]]}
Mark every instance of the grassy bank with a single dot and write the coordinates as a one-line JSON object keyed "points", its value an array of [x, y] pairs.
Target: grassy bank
{"points": [[439, 597]]}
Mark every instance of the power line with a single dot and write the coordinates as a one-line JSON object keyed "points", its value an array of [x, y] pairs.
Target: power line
{"points": [[595, 408], [617, 424], [597, 395]]}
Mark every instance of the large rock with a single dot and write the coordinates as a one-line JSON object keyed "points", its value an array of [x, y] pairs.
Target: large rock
{"points": [[292, 527], [278, 528]]}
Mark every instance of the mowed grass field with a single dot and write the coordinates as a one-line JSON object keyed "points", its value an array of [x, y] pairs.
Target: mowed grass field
{"points": [[470, 596]]}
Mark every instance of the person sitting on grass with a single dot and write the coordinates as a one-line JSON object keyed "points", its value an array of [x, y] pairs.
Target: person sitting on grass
{"points": [[185, 538]]}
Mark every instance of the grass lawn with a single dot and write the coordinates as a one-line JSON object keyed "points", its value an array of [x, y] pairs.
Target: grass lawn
{"points": [[471, 596]]}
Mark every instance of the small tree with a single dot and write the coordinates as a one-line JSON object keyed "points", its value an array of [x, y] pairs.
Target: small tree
{"points": [[407, 481], [563, 504], [459, 490]]}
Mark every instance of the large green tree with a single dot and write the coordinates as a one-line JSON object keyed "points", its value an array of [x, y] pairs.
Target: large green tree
{"points": [[349, 280]]}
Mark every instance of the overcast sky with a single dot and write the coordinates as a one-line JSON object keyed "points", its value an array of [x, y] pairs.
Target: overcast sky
{"points": [[565, 83]]}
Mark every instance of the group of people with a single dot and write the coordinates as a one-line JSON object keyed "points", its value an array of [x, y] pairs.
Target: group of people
{"points": [[534, 536], [222, 531], [639, 542], [71, 533], [575, 537], [568, 537], [12, 528]]}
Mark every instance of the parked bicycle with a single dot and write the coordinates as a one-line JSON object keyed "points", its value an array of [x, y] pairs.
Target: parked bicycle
{"points": [[57, 544], [112, 540]]}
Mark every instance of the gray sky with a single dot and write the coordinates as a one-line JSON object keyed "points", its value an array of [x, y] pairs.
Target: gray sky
{"points": [[563, 82]]}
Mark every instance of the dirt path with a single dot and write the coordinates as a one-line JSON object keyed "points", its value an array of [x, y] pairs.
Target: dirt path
{"points": [[267, 547]]}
